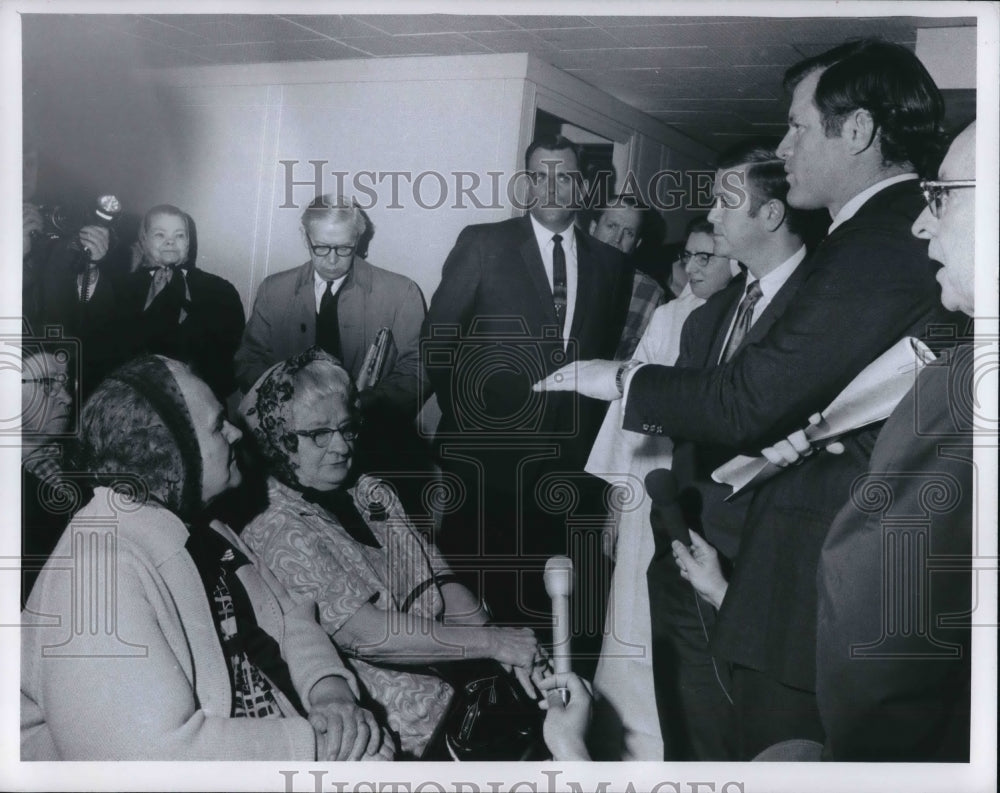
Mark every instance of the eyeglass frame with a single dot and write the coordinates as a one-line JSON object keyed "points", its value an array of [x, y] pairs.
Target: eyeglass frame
{"points": [[338, 249], [51, 383], [687, 256], [935, 190], [349, 431]]}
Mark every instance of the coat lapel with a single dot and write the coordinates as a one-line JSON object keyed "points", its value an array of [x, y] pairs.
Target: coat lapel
{"points": [[303, 308], [531, 259]]}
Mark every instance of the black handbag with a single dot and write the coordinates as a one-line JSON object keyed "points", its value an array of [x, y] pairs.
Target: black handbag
{"points": [[490, 717]]}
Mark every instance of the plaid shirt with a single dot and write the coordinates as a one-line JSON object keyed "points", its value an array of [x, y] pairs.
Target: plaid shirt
{"points": [[647, 296]]}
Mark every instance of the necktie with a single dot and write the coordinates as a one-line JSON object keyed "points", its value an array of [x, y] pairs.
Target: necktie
{"points": [[559, 278], [327, 327], [744, 318]]}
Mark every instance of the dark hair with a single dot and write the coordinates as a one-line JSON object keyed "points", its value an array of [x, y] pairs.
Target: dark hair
{"points": [[553, 143], [698, 225], [890, 83], [766, 178]]}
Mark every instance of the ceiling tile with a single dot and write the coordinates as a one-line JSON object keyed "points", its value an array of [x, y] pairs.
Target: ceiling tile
{"points": [[429, 44], [578, 38], [333, 25], [541, 22], [512, 41], [435, 23]]}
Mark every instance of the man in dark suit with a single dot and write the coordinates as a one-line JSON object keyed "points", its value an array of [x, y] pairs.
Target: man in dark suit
{"points": [[517, 300], [869, 284], [752, 223]]}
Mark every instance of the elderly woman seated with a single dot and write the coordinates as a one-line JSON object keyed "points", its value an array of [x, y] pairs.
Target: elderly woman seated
{"points": [[384, 594], [152, 633]]}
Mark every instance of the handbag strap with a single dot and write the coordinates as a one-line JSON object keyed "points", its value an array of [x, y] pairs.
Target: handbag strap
{"points": [[440, 579]]}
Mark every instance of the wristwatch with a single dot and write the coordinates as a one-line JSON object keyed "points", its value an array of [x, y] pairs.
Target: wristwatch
{"points": [[626, 367]]}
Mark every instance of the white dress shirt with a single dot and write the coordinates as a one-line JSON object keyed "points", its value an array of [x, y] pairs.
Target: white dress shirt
{"points": [[770, 285], [545, 245], [319, 286]]}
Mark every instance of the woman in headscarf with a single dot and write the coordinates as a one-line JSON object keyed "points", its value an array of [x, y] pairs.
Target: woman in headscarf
{"points": [[162, 637], [176, 309], [385, 595]]}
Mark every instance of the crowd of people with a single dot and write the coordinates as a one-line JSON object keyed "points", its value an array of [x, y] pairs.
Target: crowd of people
{"points": [[268, 581]]}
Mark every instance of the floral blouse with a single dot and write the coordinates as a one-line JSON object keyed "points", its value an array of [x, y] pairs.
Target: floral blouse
{"points": [[313, 556]]}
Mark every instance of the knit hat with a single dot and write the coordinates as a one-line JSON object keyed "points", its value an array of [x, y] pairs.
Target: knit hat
{"points": [[152, 381]]}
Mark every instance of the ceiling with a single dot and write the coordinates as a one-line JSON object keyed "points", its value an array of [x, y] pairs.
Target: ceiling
{"points": [[715, 79]]}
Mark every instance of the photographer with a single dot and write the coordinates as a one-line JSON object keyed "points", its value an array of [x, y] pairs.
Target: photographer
{"points": [[65, 280]]}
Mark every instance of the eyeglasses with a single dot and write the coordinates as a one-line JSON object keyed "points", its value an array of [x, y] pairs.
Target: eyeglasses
{"points": [[343, 251], [935, 192], [322, 436], [701, 258], [51, 384]]}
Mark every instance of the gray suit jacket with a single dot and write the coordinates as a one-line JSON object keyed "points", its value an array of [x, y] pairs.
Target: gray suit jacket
{"points": [[283, 323]]}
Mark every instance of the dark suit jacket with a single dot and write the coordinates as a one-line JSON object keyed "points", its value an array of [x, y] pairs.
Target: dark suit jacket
{"points": [[283, 323], [702, 338], [491, 333], [900, 691], [868, 284]]}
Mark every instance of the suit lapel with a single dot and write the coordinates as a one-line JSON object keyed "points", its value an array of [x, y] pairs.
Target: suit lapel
{"points": [[776, 307], [304, 305], [586, 288], [725, 319], [531, 259]]}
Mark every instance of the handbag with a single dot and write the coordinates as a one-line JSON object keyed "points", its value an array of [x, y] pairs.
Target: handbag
{"points": [[490, 717]]}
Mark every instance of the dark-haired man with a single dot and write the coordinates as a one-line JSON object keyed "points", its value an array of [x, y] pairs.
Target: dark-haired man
{"points": [[517, 299], [847, 150], [752, 223]]}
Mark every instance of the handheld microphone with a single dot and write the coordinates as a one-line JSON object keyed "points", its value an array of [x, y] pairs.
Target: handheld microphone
{"points": [[665, 515], [558, 578]]}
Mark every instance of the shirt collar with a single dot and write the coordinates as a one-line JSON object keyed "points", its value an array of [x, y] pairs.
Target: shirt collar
{"points": [[848, 210], [771, 283], [544, 236]]}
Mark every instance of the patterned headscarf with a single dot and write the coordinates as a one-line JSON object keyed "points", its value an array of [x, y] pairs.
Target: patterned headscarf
{"points": [[267, 412]]}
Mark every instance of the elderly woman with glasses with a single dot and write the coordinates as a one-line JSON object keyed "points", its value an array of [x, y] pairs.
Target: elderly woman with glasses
{"points": [[152, 633], [385, 596]]}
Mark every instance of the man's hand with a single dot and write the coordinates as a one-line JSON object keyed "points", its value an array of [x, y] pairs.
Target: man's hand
{"points": [[566, 725], [31, 222], [796, 447], [700, 566], [590, 378], [95, 240]]}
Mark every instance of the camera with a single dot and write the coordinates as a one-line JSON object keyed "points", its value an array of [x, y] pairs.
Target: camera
{"points": [[60, 222], [489, 372]]}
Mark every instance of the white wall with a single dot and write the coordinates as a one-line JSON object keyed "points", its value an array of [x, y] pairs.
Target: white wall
{"points": [[232, 126], [407, 115]]}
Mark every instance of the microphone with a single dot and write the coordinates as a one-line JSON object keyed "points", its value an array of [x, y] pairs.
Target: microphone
{"points": [[558, 578], [665, 515]]}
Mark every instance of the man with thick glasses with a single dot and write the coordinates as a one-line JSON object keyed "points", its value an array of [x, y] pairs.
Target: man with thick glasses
{"points": [[870, 282], [338, 300]]}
